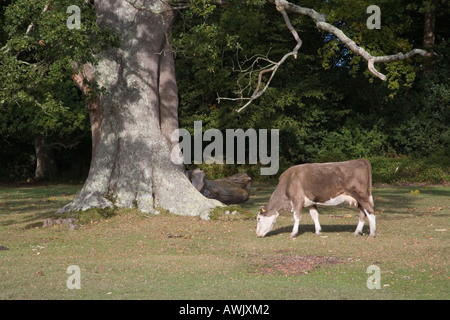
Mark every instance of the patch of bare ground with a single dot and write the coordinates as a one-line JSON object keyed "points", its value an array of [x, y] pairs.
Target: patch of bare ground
{"points": [[293, 265]]}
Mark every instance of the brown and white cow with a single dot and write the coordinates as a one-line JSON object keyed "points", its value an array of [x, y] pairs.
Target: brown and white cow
{"points": [[328, 184]]}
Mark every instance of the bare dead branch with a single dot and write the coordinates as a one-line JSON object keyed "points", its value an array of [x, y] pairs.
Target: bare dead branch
{"points": [[272, 67], [247, 72]]}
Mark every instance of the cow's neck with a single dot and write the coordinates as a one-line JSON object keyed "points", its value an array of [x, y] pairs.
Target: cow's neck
{"points": [[278, 201]]}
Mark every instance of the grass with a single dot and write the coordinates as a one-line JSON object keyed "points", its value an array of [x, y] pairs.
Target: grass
{"points": [[131, 256]]}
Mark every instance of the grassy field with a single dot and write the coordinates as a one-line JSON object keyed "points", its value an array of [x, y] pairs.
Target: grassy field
{"points": [[131, 256]]}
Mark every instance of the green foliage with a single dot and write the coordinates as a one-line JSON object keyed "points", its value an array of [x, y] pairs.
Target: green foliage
{"points": [[351, 143], [326, 104], [405, 169], [37, 58], [38, 96], [210, 54], [393, 37]]}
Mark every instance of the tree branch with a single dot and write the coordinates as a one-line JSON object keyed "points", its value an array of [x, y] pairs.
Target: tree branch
{"points": [[320, 19], [65, 146], [366, 55], [30, 27], [272, 67], [321, 24]]}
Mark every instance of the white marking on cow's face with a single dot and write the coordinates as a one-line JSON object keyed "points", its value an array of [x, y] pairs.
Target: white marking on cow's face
{"points": [[333, 201], [265, 224]]}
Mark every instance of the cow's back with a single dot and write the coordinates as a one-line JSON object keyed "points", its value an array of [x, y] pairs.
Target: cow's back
{"points": [[323, 181]]}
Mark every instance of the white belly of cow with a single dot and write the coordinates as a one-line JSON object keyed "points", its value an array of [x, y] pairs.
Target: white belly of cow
{"points": [[333, 201]]}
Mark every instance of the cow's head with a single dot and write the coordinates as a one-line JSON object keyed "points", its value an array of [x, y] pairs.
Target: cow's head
{"points": [[265, 221]]}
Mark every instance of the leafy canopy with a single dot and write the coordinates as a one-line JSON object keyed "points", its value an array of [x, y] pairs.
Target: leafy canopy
{"points": [[38, 95]]}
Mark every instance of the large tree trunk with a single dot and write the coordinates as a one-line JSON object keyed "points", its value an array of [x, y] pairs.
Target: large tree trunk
{"points": [[131, 164]]}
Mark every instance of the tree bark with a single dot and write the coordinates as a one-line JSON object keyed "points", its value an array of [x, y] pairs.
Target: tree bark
{"points": [[168, 91], [428, 28], [82, 80], [429, 35], [131, 164], [45, 160]]}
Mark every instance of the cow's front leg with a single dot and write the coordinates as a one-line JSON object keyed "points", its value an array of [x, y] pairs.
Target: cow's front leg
{"points": [[296, 223], [296, 210], [372, 225], [315, 216]]}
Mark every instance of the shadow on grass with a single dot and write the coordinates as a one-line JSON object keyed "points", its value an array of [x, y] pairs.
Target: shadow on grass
{"points": [[333, 228], [30, 205], [413, 200], [34, 220]]}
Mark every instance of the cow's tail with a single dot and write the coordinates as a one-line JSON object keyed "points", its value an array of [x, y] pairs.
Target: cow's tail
{"points": [[370, 182]]}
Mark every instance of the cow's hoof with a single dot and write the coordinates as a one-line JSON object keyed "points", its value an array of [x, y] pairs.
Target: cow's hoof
{"points": [[292, 235], [372, 236], [357, 234], [318, 233]]}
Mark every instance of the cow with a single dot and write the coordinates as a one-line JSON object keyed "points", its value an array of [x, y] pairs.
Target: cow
{"points": [[328, 184]]}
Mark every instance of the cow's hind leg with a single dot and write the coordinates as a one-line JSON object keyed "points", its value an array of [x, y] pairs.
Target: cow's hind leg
{"points": [[296, 210], [368, 208], [360, 226], [315, 216]]}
